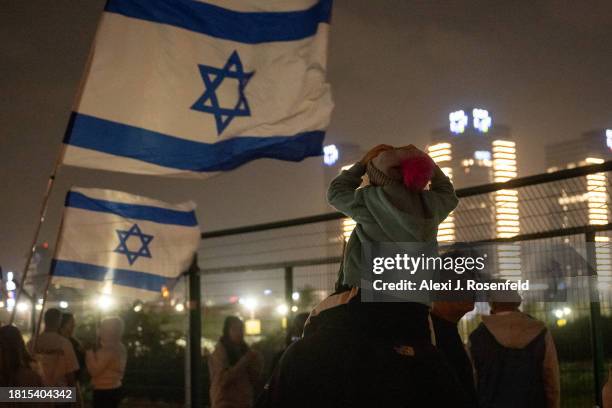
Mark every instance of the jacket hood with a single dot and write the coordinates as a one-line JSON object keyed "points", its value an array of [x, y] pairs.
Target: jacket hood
{"points": [[513, 329]]}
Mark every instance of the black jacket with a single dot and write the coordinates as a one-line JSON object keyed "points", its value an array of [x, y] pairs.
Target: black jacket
{"points": [[365, 355]]}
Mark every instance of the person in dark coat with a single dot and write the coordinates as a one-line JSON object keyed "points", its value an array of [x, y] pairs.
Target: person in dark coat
{"points": [[514, 358], [448, 308], [356, 354]]}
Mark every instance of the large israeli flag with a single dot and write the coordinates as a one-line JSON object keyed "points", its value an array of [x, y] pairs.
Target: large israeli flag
{"points": [[186, 87], [113, 241]]}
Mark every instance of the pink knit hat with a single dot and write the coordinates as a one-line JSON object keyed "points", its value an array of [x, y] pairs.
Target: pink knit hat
{"points": [[409, 166]]}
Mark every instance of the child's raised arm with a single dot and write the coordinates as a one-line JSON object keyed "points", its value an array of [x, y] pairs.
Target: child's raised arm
{"points": [[341, 193], [444, 191]]}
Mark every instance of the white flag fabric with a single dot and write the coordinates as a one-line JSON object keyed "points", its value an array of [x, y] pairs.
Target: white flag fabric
{"points": [[111, 240], [185, 87]]}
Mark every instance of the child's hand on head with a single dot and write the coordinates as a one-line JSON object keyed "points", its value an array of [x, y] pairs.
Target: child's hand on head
{"points": [[375, 151]]}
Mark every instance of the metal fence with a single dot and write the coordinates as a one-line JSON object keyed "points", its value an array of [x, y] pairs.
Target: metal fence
{"points": [[268, 271]]}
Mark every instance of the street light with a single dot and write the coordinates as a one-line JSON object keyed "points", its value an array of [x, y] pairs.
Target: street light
{"points": [[282, 309], [249, 303], [63, 304], [22, 307], [105, 302]]}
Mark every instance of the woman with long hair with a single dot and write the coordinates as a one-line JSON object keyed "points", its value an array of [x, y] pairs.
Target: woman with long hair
{"points": [[235, 369], [16, 364]]}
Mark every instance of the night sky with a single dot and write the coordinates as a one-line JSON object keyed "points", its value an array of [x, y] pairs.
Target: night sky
{"points": [[397, 67]]}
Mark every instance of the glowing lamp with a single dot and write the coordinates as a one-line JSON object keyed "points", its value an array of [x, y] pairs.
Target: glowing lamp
{"points": [[252, 327]]}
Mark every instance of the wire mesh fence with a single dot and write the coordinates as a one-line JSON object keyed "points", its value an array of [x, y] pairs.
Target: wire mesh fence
{"points": [[267, 275]]}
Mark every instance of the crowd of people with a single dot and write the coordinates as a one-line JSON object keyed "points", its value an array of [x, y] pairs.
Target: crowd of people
{"points": [[54, 358]]}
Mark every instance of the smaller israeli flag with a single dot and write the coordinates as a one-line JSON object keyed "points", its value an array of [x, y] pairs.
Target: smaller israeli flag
{"points": [[114, 241]]}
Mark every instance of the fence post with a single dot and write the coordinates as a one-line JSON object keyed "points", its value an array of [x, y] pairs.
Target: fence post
{"points": [[195, 336], [289, 291], [595, 314]]}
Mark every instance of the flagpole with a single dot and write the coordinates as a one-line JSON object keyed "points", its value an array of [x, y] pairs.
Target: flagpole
{"points": [[42, 214], [42, 310], [47, 284], [51, 181]]}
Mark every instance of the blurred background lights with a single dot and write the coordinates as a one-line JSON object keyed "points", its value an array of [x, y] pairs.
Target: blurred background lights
{"points": [[330, 155], [481, 120], [10, 283], [252, 327], [179, 307], [458, 121], [609, 138], [282, 309], [295, 296], [105, 302], [22, 307], [482, 155], [63, 304], [562, 312], [249, 303]]}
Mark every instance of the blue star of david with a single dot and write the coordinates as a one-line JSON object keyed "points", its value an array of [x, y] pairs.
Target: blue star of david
{"points": [[213, 78], [145, 240]]}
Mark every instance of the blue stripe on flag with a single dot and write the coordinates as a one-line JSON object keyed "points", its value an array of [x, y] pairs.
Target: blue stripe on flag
{"points": [[123, 277], [215, 21], [168, 151], [159, 215]]}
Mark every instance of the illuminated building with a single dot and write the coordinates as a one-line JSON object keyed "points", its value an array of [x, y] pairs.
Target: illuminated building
{"points": [[473, 150], [587, 201]]}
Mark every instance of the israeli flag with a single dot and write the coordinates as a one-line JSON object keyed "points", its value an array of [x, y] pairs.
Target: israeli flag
{"points": [[186, 87], [113, 241]]}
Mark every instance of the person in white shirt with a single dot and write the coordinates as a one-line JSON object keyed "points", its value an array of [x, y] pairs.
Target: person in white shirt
{"points": [[106, 364], [54, 353]]}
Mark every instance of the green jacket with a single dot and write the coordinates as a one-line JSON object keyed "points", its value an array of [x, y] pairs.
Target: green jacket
{"points": [[388, 213]]}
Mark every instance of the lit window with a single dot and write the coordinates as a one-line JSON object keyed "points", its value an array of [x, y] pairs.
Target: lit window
{"points": [[482, 155]]}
